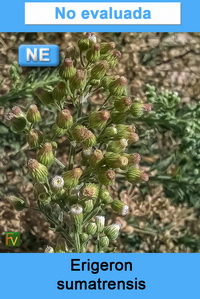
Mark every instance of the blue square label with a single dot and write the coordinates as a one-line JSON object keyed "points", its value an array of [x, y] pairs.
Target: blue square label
{"points": [[39, 55]]}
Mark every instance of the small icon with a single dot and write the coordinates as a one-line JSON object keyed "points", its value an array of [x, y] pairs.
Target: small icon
{"points": [[12, 239], [39, 55]]}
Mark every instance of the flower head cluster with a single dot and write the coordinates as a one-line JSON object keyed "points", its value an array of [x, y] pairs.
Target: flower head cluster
{"points": [[100, 141]]}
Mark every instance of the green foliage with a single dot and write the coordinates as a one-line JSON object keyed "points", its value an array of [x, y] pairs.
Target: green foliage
{"points": [[24, 83], [172, 131]]}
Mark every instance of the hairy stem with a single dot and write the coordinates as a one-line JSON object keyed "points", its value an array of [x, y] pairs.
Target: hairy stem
{"points": [[71, 156], [60, 163], [77, 241]]}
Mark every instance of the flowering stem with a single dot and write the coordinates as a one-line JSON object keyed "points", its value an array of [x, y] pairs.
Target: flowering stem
{"points": [[97, 247], [105, 102], [60, 163], [31, 127], [95, 90], [91, 215], [71, 157], [77, 241], [81, 58], [57, 226], [101, 133], [85, 174], [69, 90]]}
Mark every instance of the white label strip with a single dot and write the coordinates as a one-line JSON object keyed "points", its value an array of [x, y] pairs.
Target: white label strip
{"points": [[104, 13]]}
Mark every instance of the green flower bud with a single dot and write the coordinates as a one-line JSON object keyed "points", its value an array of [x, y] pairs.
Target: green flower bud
{"points": [[49, 249], [17, 111], [17, 122], [84, 237], [109, 132], [104, 196], [103, 242], [41, 193], [112, 231], [59, 92], [118, 86], [133, 138], [124, 131], [106, 177], [96, 157], [90, 191], [79, 132], [38, 171], [54, 145], [91, 228], [95, 82], [107, 47], [135, 175], [105, 82], [71, 177], [33, 114], [100, 222], [114, 160], [88, 206], [44, 96], [118, 117], [18, 203], [67, 70], [57, 184], [17, 118], [86, 42], [45, 155], [44, 198], [120, 207], [99, 70], [76, 212], [123, 104], [98, 119], [137, 109], [90, 139], [117, 146], [113, 58], [133, 159], [77, 82], [83, 135], [34, 138], [93, 54], [64, 119], [57, 131]]}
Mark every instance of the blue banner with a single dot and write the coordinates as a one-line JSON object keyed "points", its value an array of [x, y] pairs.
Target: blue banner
{"points": [[63, 16], [85, 275]]}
